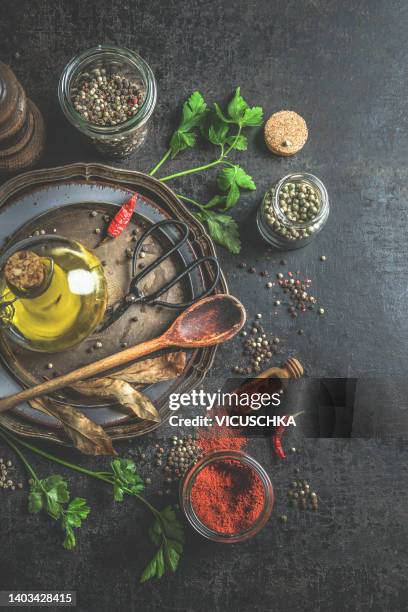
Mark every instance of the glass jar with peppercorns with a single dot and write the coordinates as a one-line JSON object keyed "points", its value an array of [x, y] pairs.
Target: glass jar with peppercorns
{"points": [[109, 95], [294, 210]]}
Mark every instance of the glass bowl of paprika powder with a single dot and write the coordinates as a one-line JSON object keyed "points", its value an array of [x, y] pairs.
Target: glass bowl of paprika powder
{"points": [[227, 496]]}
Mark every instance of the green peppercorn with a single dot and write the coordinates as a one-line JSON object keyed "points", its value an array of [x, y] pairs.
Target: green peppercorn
{"points": [[299, 203]]}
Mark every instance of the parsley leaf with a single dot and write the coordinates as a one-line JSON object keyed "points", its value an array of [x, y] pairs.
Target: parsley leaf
{"points": [[76, 512], [230, 180], [252, 117], [194, 110], [218, 131], [237, 106], [155, 568], [221, 115], [35, 501], [182, 140], [51, 495], [235, 175], [173, 529], [223, 229], [216, 201], [167, 533], [238, 142], [70, 539], [240, 113], [126, 478], [193, 114], [232, 196]]}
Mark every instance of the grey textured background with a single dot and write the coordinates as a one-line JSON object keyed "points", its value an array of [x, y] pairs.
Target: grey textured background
{"points": [[342, 65]]}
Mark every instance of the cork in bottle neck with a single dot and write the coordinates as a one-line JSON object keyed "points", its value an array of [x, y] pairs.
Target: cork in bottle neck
{"points": [[26, 273]]}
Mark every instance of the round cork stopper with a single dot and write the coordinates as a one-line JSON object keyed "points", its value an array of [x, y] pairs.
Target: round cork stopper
{"points": [[285, 133], [24, 271]]}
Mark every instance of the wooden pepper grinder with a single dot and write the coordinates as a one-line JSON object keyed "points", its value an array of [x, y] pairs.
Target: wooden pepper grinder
{"points": [[22, 130], [291, 369]]}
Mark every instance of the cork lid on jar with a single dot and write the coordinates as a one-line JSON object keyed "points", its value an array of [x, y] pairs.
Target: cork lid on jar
{"points": [[285, 133]]}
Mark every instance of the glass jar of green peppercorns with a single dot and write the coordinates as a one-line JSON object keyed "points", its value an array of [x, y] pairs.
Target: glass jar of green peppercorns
{"points": [[293, 211]]}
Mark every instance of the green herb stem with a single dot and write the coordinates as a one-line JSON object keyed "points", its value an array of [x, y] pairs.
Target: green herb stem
{"points": [[191, 170], [43, 453], [67, 464], [67, 515], [161, 162], [194, 202], [28, 467], [237, 135], [190, 200], [220, 160]]}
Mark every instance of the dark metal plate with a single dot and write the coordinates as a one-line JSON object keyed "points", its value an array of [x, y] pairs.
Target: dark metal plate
{"points": [[63, 200]]}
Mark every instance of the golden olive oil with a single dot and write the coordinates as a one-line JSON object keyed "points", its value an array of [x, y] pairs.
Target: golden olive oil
{"points": [[69, 307]]}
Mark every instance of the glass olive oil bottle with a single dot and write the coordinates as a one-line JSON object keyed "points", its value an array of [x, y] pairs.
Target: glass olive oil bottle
{"points": [[52, 293]]}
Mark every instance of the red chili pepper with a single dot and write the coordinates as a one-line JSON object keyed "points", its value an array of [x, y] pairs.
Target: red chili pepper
{"points": [[122, 218], [277, 438], [277, 441]]}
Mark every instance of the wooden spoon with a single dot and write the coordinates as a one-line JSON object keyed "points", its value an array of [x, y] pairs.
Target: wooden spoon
{"points": [[210, 321]]}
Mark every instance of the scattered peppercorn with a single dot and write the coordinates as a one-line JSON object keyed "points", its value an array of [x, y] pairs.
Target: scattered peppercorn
{"points": [[7, 483], [258, 348], [299, 494]]}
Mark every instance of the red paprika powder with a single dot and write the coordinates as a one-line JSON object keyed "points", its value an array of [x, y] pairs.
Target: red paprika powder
{"points": [[228, 497], [220, 438]]}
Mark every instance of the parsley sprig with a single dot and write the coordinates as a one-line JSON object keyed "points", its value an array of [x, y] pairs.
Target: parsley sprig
{"points": [[224, 129], [52, 496], [167, 531]]}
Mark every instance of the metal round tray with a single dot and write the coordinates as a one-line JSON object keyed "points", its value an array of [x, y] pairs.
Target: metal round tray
{"points": [[62, 200]]}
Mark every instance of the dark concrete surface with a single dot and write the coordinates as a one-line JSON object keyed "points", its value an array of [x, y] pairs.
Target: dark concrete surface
{"points": [[342, 65]]}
